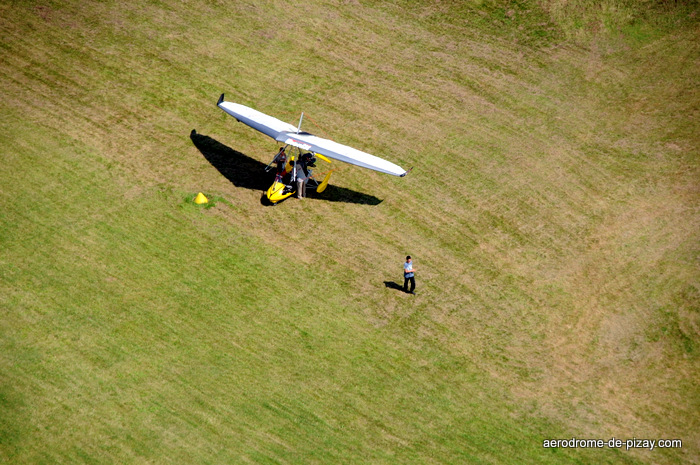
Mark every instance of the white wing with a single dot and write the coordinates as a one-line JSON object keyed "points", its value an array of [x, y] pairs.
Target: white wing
{"points": [[341, 152], [259, 121], [286, 133]]}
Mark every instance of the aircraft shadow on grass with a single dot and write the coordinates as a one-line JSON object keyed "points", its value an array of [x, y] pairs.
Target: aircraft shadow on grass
{"points": [[244, 171]]}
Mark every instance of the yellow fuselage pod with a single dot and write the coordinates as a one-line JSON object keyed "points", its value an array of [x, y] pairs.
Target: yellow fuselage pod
{"points": [[276, 192]]}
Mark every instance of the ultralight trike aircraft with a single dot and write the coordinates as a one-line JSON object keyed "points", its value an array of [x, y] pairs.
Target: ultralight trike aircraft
{"points": [[305, 147]]}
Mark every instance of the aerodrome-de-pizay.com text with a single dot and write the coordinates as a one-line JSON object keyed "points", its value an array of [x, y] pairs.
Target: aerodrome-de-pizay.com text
{"points": [[613, 443]]}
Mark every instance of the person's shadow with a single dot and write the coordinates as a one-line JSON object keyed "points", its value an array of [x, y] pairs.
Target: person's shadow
{"points": [[393, 285], [244, 171]]}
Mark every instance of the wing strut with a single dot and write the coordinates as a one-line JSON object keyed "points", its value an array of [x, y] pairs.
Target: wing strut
{"points": [[300, 120]]}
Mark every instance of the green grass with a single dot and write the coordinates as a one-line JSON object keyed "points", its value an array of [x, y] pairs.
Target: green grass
{"points": [[552, 213], [136, 334]]}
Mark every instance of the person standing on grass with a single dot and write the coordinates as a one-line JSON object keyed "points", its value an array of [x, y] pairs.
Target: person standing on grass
{"points": [[408, 275], [281, 159], [303, 173]]}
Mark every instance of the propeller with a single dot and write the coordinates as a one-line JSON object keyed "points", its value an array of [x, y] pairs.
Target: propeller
{"points": [[322, 157], [322, 187]]}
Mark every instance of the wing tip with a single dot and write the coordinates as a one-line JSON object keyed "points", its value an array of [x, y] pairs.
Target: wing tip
{"points": [[406, 172], [221, 99]]}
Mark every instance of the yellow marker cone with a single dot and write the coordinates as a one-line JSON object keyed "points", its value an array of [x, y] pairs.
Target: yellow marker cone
{"points": [[200, 199]]}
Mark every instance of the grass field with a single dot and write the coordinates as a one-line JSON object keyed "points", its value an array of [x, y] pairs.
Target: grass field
{"points": [[553, 214]]}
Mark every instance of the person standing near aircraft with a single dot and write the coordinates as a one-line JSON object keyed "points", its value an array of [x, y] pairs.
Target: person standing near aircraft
{"points": [[281, 159], [408, 275], [303, 173]]}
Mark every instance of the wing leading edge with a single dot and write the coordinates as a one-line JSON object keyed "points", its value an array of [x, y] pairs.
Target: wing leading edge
{"points": [[286, 133], [259, 121]]}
